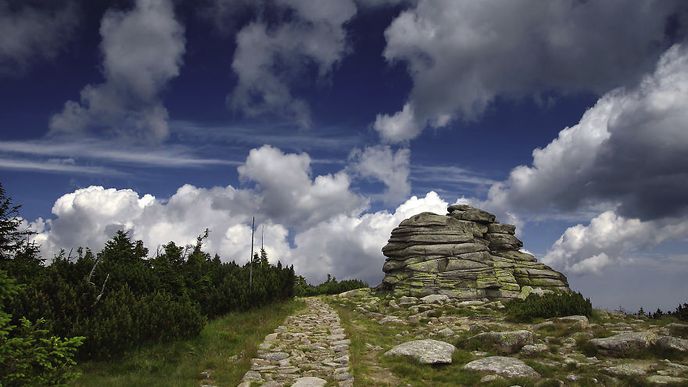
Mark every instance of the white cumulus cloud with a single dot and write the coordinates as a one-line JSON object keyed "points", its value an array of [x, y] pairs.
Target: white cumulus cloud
{"points": [[382, 163], [142, 51], [269, 59], [611, 239]]}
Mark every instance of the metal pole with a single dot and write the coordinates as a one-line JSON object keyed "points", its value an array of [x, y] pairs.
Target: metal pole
{"points": [[250, 275]]}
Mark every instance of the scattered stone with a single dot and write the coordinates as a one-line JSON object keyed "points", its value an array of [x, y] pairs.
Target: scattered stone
{"points": [[624, 344], [275, 356], [435, 299], [504, 342], [309, 381], [446, 332], [670, 343], [507, 367], [533, 349], [543, 324], [425, 351], [390, 319], [661, 379], [355, 293], [581, 321], [677, 329], [628, 369]]}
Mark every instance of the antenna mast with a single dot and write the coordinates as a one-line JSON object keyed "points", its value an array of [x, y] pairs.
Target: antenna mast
{"points": [[250, 275]]}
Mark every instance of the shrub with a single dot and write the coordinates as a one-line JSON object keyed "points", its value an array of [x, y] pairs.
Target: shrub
{"points": [[29, 354], [330, 286], [548, 305]]}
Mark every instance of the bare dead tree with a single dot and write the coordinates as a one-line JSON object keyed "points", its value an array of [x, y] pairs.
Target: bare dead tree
{"points": [[102, 289], [90, 275]]}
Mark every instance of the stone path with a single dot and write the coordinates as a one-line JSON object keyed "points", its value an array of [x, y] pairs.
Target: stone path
{"points": [[311, 344]]}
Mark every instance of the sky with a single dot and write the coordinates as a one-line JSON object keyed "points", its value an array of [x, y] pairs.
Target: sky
{"points": [[331, 121]]}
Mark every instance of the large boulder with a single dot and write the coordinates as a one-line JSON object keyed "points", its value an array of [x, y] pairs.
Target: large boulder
{"points": [[624, 344], [507, 367], [425, 351], [465, 254]]}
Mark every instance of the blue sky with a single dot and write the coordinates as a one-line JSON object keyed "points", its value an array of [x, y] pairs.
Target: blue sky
{"points": [[332, 121]]}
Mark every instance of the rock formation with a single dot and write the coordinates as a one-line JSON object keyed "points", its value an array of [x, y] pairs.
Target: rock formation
{"points": [[465, 254]]}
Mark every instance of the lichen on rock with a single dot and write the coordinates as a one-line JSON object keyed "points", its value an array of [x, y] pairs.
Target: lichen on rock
{"points": [[464, 254]]}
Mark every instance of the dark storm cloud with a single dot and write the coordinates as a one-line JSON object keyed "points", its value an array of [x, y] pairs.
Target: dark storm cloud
{"points": [[630, 150], [462, 55]]}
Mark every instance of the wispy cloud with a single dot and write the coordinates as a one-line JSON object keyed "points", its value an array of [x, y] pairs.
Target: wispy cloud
{"points": [[448, 176], [276, 135], [173, 156], [56, 166]]}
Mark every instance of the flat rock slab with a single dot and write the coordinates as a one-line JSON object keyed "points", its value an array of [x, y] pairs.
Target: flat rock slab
{"points": [[425, 351], [309, 381], [663, 380], [672, 344], [508, 367]]}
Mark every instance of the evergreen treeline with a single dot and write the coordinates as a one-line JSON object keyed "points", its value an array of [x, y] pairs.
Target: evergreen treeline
{"points": [[330, 286], [681, 313], [114, 300]]}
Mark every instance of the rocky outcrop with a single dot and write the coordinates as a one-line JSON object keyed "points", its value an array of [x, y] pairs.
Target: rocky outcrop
{"points": [[465, 254]]}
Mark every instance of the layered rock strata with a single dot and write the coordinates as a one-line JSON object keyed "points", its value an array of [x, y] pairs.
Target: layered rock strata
{"points": [[465, 254]]}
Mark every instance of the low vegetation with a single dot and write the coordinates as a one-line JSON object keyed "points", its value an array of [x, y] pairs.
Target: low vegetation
{"points": [[548, 305], [91, 306], [330, 286], [222, 351]]}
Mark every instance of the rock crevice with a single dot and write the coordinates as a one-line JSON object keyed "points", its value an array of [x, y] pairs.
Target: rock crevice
{"points": [[464, 254]]}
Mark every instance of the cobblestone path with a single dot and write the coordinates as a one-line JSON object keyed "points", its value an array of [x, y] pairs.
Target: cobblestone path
{"points": [[309, 349]]}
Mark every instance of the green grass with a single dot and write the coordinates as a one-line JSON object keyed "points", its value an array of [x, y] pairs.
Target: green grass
{"points": [[225, 347], [371, 368]]}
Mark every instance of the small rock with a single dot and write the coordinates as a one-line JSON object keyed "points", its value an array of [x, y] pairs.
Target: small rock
{"points": [[543, 324], [677, 329], [628, 369], [390, 319], [660, 379], [425, 351], [309, 381], [355, 292], [533, 349], [581, 321], [275, 356], [508, 367], [446, 332], [670, 343], [435, 299]]}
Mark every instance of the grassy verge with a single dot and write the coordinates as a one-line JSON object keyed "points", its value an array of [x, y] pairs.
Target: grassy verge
{"points": [[369, 340], [224, 347]]}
